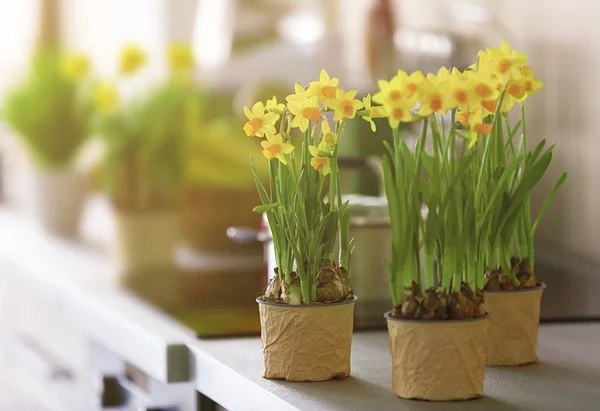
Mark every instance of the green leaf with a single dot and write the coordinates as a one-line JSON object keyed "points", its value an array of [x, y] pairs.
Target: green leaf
{"points": [[558, 184], [266, 207]]}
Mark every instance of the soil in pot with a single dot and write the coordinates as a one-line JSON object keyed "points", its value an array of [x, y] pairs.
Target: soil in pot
{"points": [[308, 342], [514, 315], [438, 344]]}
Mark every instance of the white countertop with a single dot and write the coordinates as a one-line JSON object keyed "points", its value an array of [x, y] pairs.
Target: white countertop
{"points": [[567, 377], [229, 371]]}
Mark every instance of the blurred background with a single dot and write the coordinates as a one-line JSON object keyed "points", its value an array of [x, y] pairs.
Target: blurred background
{"points": [[145, 163]]}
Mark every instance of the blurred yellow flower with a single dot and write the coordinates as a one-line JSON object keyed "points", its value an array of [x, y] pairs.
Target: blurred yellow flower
{"points": [[397, 115], [476, 125], [299, 93], [319, 163], [132, 58], [325, 89], [329, 137], [345, 105], [181, 57], [259, 124], [273, 106], [274, 147], [435, 98], [530, 83], [506, 61], [75, 66], [105, 97], [410, 82], [305, 109], [390, 92], [370, 112], [443, 74]]}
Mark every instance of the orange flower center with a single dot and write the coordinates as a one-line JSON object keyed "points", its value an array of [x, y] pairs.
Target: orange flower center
{"points": [[460, 96], [274, 149], [398, 113], [435, 102], [482, 128], [395, 95], [319, 163], [329, 91], [504, 65], [463, 118], [483, 90], [516, 90], [255, 124], [312, 113], [411, 87], [347, 108], [489, 105]]}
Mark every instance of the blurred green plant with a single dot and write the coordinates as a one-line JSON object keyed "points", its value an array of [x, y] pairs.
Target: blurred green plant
{"points": [[50, 108], [167, 139]]}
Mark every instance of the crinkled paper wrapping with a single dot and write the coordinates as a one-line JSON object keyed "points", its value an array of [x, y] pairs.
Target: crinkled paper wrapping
{"points": [[514, 323], [438, 360], [306, 343]]}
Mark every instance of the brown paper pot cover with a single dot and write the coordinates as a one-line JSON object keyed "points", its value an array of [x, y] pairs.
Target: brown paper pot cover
{"points": [[438, 360], [514, 323], [306, 342]]}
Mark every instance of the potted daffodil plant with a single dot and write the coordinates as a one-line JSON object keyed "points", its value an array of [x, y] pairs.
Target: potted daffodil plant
{"points": [[144, 140], [453, 199], [50, 111], [306, 311]]}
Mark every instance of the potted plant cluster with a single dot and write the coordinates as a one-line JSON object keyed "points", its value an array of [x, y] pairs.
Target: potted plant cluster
{"points": [[144, 141], [306, 312], [473, 180], [50, 111]]}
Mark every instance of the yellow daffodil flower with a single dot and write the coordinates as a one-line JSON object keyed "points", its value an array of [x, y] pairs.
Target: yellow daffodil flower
{"points": [[181, 57], [390, 92], [319, 163], [75, 66], [506, 61], [305, 109], [410, 82], [274, 107], [435, 98], [328, 136], [325, 89], [299, 93], [260, 124], [462, 90], [132, 58], [274, 147], [105, 97], [476, 125], [370, 112], [443, 74], [345, 105], [531, 84], [397, 115]]}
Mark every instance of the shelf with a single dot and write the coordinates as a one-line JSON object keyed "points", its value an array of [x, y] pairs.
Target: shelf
{"points": [[567, 376]]}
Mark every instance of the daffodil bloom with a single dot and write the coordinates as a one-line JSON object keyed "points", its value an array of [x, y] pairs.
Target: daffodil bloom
{"points": [[325, 89], [319, 163], [476, 125], [299, 93], [132, 59], [75, 66], [397, 115], [531, 84], [305, 109], [345, 105], [181, 57], [435, 98], [274, 147], [506, 61], [411, 82], [260, 123], [274, 107], [390, 92], [463, 93], [443, 74], [329, 137], [370, 112], [105, 97]]}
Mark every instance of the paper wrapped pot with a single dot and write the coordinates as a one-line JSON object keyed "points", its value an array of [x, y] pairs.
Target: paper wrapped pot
{"points": [[514, 323], [438, 360], [306, 342]]}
